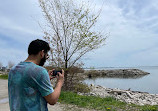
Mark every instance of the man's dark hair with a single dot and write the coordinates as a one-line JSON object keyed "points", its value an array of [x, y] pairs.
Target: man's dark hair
{"points": [[38, 45]]}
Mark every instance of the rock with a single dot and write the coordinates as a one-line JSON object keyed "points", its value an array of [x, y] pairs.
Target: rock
{"points": [[135, 97]]}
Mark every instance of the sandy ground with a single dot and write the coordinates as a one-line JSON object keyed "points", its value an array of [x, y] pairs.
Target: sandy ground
{"points": [[4, 103]]}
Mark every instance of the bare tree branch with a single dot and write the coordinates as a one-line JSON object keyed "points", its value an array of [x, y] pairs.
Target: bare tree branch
{"points": [[70, 30]]}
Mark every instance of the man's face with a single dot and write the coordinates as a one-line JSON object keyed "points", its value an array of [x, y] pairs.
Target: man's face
{"points": [[43, 60]]}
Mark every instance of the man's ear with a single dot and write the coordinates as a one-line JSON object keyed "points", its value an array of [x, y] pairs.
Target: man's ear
{"points": [[42, 53]]}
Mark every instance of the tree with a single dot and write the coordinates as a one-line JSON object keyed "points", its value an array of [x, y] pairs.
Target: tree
{"points": [[70, 31]]}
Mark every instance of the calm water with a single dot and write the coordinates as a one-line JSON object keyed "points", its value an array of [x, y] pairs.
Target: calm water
{"points": [[148, 83]]}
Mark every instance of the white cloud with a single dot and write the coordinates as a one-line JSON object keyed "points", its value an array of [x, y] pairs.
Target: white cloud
{"points": [[131, 35], [11, 26], [20, 21], [132, 25], [18, 27]]}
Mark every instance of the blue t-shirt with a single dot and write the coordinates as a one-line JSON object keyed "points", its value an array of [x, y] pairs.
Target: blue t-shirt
{"points": [[28, 83]]}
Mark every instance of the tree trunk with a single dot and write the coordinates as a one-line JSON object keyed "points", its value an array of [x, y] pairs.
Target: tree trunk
{"points": [[66, 76]]}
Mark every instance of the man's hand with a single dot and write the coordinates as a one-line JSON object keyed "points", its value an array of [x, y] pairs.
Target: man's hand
{"points": [[53, 97], [50, 72], [60, 78]]}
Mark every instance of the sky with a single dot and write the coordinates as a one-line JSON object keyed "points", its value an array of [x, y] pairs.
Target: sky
{"points": [[131, 25]]}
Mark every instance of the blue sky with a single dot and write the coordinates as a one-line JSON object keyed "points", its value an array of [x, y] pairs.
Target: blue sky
{"points": [[132, 24]]}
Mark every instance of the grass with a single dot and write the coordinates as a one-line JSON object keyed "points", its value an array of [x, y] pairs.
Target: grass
{"points": [[150, 108], [4, 76], [97, 103]]}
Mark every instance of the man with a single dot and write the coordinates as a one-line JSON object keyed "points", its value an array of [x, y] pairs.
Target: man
{"points": [[29, 86]]}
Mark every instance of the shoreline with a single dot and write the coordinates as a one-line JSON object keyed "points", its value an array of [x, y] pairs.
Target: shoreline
{"points": [[128, 96]]}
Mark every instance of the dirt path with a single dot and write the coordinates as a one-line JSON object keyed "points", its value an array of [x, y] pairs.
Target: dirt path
{"points": [[4, 102], [4, 105]]}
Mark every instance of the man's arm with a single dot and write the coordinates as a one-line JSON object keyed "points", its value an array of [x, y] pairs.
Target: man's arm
{"points": [[53, 97]]}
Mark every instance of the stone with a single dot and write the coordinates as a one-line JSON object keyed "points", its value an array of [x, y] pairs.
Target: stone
{"points": [[135, 97]]}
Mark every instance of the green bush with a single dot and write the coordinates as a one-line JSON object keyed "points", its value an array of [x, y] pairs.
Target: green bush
{"points": [[80, 87]]}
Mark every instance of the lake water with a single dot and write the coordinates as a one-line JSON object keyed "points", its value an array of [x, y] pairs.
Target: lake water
{"points": [[148, 83]]}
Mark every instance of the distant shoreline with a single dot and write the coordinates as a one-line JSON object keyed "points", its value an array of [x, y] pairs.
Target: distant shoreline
{"points": [[124, 73], [121, 67]]}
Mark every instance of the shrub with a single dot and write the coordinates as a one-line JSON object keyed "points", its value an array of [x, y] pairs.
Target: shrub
{"points": [[80, 87]]}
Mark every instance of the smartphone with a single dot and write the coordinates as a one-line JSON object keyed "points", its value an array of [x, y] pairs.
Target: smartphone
{"points": [[55, 72]]}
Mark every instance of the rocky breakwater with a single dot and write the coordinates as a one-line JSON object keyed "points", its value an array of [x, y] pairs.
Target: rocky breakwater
{"points": [[117, 73], [135, 97], [128, 96]]}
